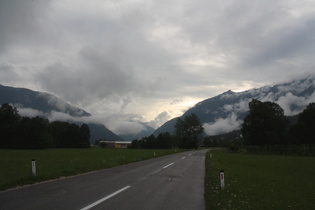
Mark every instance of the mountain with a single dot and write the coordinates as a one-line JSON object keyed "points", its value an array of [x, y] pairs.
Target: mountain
{"points": [[99, 131], [169, 126], [43, 102], [146, 131], [225, 112], [30, 102]]}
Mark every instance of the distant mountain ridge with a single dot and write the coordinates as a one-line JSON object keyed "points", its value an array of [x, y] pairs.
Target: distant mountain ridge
{"points": [[44, 104], [146, 131], [40, 101], [225, 112]]}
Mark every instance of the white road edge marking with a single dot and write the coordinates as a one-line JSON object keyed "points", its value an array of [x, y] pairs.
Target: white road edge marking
{"points": [[183, 158], [168, 165], [105, 198]]}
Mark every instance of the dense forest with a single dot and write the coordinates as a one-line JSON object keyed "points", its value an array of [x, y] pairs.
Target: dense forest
{"points": [[17, 132]]}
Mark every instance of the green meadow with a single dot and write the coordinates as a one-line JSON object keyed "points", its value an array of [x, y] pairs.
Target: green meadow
{"points": [[16, 167], [259, 181]]}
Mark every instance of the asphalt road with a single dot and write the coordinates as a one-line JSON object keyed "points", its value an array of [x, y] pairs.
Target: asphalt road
{"points": [[169, 182]]}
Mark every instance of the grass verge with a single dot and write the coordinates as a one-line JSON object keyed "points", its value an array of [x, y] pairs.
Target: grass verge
{"points": [[259, 181], [55, 163]]}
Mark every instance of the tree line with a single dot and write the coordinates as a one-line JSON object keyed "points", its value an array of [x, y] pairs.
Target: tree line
{"points": [[266, 124], [162, 141], [17, 132], [264, 128]]}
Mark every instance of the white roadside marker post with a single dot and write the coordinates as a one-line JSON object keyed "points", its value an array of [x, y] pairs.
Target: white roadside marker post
{"points": [[33, 167], [222, 179]]}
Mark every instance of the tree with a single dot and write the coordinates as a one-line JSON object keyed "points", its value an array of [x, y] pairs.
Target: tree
{"points": [[165, 140], [34, 133], [85, 136], [188, 130], [9, 120], [149, 142], [18, 132], [134, 144], [68, 135], [210, 142], [162, 141], [304, 130], [265, 124]]}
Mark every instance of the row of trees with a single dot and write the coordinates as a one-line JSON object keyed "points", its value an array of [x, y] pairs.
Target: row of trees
{"points": [[188, 133], [266, 125], [18, 132], [162, 141]]}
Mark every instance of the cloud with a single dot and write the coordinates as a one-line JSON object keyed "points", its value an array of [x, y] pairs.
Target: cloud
{"points": [[125, 127], [239, 107], [28, 112], [176, 101], [55, 102], [18, 22], [297, 86], [109, 57], [293, 105], [60, 116], [51, 116], [221, 125], [159, 120], [119, 124], [124, 124], [7, 72]]}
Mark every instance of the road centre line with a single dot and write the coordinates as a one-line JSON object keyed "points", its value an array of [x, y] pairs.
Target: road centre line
{"points": [[123, 189], [105, 198], [168, 165], [144, 178], [183, 158]]}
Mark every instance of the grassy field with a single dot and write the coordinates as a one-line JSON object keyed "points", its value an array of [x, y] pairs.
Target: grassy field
{"points": [[55, 163], [260, 181]]}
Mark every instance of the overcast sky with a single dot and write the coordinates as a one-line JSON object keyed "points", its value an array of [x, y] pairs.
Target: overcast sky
{"points": [[151, 60]]}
